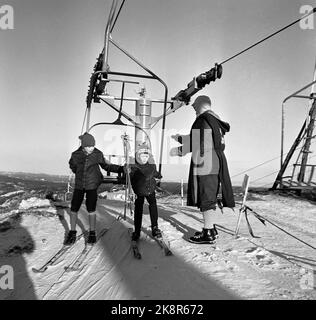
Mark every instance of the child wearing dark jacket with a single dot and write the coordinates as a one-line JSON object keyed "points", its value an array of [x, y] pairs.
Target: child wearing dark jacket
{"points": [[143, 174], [85, 163]]}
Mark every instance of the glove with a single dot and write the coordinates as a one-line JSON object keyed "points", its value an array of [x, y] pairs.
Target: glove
{"points": [[126, 169], [175, 152], [158, 177], [177, 137]]}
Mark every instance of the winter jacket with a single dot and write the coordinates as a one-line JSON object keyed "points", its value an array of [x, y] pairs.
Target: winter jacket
{"points": [[207, 147], [143, 178], [88, 175]]}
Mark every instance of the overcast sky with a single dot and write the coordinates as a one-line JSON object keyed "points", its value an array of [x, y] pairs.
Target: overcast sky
{"points": [[46, 62]]}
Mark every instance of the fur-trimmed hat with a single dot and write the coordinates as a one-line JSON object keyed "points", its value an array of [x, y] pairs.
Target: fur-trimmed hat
{"points": [[142, 151]]}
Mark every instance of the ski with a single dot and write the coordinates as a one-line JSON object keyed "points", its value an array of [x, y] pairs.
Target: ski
{"points": [[61, 205], [55, 257], [162, 243], [77, 263], [79, 260], [135, 249]]}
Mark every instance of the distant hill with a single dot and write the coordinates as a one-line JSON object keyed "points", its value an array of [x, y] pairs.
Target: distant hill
{"points": [[36, 176], [36, 184], [43, 183]]}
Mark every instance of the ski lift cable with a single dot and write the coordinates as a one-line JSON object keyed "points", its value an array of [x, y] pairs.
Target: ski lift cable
{"points": [[167, 110], [257, 166], [275, 172], [270, 36], [84, 120], [268, 175], [271, 173], [257, 215], [113, 9], [265, 185], [111, 14], [263, 163], [107, 34], [119, 11]]}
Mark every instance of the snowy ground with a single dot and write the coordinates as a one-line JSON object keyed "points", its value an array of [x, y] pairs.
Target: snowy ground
{"points": [[272, 266]]}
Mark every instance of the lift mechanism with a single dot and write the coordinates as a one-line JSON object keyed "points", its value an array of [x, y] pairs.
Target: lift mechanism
{"points": [[142, 120]]}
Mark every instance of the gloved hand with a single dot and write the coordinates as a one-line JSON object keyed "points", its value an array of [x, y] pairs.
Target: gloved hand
{"points": [[158, 177], [177, 137], [121, 170], [126, 169], [175, 152]]}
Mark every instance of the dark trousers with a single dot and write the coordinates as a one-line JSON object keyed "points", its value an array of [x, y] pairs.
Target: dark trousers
{"points": [[91, 199], [153, 211]]}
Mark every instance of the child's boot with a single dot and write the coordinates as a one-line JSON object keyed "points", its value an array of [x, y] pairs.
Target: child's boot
{"points": [[92, 237], [71, 238], [156, 232]]}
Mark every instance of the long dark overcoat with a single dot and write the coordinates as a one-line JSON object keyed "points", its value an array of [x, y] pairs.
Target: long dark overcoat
{"points": [[208, 157]]}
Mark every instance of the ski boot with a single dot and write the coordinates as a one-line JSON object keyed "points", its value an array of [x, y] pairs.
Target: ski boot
{"points": [[206, 236], [71, 238], [92, 239], [156, 233], [213, 232]]}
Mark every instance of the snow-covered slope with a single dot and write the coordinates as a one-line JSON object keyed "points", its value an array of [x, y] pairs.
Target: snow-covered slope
{"points": [[274, 266]]}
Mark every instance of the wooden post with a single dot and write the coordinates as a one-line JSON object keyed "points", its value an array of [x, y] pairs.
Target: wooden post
{"points": [[108, 173], [308, 138], [245, 186], [182, 202]]}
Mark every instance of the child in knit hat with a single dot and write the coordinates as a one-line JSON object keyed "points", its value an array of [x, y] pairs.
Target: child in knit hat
{"points": [[143, 174], [85, 163]]}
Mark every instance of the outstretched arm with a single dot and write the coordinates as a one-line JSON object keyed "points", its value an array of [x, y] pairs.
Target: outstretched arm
{"points": [[157, 174], [185, 147], [108, 166]]}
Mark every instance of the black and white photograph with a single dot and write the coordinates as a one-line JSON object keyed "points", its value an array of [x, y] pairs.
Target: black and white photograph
{"points": [[159, 154]]}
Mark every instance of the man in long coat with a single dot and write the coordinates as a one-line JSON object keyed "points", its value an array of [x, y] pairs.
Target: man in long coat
{"points": [[208, 168]]}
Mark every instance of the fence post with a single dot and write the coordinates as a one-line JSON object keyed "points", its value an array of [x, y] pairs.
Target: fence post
{"points": [[182, 203]]}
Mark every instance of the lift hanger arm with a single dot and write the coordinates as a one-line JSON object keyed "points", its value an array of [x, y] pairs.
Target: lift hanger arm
{"points": [[199, 83]]}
